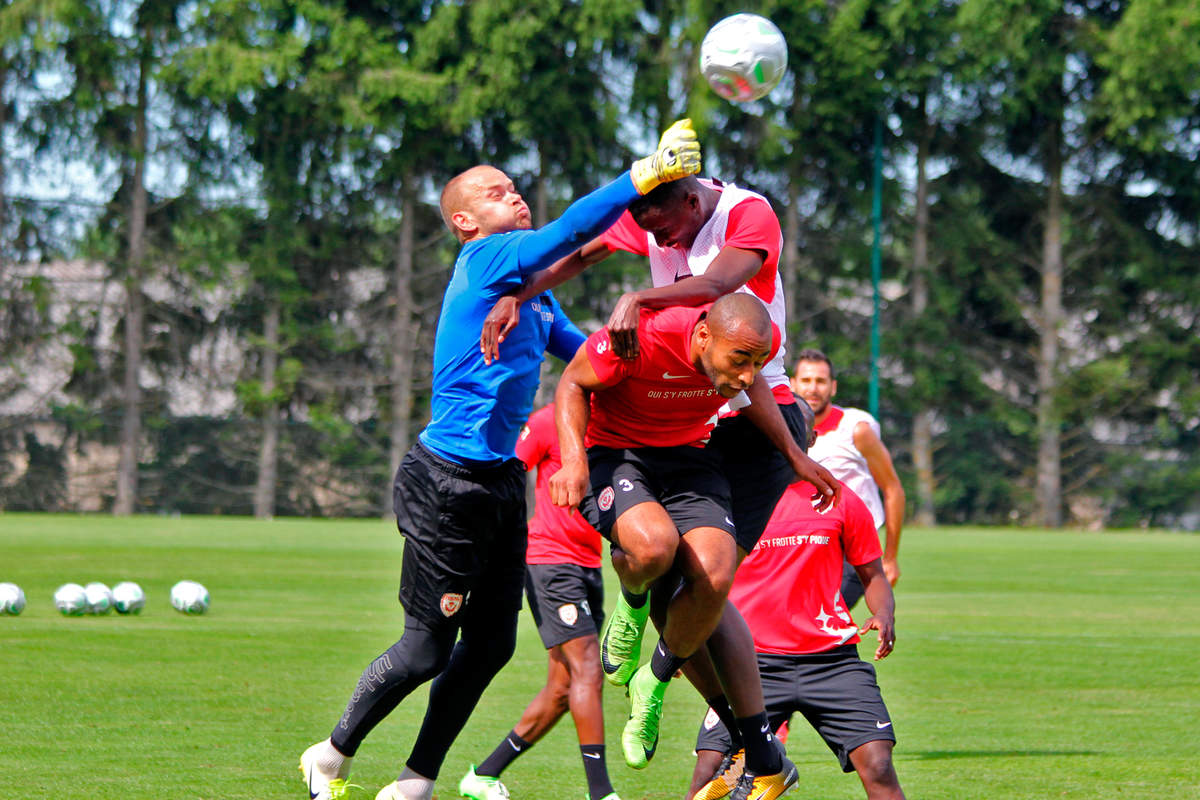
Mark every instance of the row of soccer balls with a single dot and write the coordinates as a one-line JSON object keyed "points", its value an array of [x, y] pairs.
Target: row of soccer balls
{"points": [[73, 600]]}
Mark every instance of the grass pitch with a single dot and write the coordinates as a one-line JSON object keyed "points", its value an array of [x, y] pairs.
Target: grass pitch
{"points": [[1029, 664]]}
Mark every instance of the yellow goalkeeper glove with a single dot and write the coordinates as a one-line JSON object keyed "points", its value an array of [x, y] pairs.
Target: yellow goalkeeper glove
{"points": [[677, 156]]}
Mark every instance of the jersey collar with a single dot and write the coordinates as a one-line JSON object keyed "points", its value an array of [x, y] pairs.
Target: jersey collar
{"points": [[831, 421]]}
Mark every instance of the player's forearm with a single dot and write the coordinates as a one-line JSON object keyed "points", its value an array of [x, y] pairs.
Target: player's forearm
{"points": [[893, 512], [694, 291], [560, 272], [880, 599], [570, 419], [586, 218]]}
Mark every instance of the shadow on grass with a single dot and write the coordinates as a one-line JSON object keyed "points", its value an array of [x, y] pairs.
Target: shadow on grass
{"points": [[932, 755]]}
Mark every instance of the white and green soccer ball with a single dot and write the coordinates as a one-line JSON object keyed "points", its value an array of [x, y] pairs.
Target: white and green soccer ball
{"points": [[12, 599], [99, 598], [189, 597], [71, 600], [743, 57], [128, 598]]}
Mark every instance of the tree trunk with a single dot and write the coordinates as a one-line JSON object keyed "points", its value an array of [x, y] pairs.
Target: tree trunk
{"points": [[1049, 458], [541, 200], [922, 436], [131, 399], [790, 271], [402, 344], [268, 452]]}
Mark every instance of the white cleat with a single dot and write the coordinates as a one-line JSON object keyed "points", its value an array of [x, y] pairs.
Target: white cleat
{"points": [[322, 784], [391, 792]]}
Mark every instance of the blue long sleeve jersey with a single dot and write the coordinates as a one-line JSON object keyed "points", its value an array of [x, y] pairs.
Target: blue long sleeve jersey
{"points": [[478, 409]]}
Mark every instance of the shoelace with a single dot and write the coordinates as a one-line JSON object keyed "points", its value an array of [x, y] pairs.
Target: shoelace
{"points": [[338, 788]]}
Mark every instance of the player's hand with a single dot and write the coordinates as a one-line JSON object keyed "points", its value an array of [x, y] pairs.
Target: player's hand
{"points": [[623, 324], [503, 317], [568, 485], [887, 633], [829, 491], [677, 156], [891, 570]]}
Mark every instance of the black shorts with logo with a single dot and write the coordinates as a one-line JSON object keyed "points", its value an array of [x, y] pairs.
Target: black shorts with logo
{"points": [[836, 692], [686, 481], [465, 536], [758, 473], [567, 601]]}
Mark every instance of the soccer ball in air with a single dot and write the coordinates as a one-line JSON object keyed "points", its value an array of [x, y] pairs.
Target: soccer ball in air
{"points": [[71, 600], [99, 598], [12, 599], [743, 57], [128, 598], [189, 597]]}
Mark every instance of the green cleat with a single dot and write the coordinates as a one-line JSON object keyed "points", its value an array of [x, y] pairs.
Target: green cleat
{"points": [[481, 787], [639, 739], [621, 641]]}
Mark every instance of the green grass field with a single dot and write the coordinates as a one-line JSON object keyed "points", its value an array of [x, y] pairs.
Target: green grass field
{"points": [[1028, 665]]}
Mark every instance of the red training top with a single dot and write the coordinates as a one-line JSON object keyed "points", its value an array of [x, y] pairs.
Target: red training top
{"points": [[658, 399], [789, 587], [557, 535]]}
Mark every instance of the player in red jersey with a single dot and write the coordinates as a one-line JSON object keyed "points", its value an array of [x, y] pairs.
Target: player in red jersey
{"points": [[647, 482], [788, 590], [565, 590]]}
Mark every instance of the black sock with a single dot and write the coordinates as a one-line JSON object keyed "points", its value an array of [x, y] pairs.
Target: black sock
{"points": [[720, 705], [664, 664], [599, 786], [503, 755], [634, 600], [762, 756]]}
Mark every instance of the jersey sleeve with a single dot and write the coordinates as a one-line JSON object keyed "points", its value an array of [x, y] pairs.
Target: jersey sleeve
{"points": [[565, 337], [626, 235], [610, 369], [754, 226], [860, 539], [534, 442]]}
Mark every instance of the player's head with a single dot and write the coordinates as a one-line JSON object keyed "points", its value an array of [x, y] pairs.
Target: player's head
{"points": [[733, 342], [675, 211], [482, 201], [813, 379]]}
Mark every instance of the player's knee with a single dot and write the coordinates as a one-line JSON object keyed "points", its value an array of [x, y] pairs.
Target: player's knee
{"points": [[874, 765], [652, 559], [419, 655]]}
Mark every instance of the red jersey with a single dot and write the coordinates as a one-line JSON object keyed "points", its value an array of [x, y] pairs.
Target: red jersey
{"points": [[658, 399], [789, 587], [557, 535]]}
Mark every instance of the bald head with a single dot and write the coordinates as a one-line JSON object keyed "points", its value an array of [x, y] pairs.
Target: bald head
{"points": [[737, 312], [481, 201]]}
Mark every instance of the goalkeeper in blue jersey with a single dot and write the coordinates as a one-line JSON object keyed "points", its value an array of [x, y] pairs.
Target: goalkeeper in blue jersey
{"points": [[459, 494]]}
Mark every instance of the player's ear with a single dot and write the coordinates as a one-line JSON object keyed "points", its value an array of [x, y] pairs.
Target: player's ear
{"points": [[464, 223], [832, 388]]}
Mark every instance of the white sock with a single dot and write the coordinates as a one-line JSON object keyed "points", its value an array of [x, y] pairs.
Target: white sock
{"points": [[414, 786], [332, 762]]}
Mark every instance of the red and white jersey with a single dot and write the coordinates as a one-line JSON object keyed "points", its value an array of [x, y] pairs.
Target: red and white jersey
{"points": [[789, 586], [742, 219], [835, 450], [557, 535], [660, 398]]}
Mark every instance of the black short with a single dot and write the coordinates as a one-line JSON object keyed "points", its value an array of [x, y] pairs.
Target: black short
{"points": [[567, 601], [465, 535], [836, 692], [686, 481], [758, 473]]}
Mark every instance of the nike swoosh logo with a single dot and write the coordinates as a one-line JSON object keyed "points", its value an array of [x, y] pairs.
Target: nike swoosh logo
{"points": [[311, 794], [764, 728], [669, 377], [882, 725], [591, 755], [513, 746]]}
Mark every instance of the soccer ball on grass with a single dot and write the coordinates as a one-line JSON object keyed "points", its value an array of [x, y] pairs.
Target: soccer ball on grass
{"points": [[99, 598], [71, 600], [12, 599], [189, 597], [128, 598], [743, 57]]}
